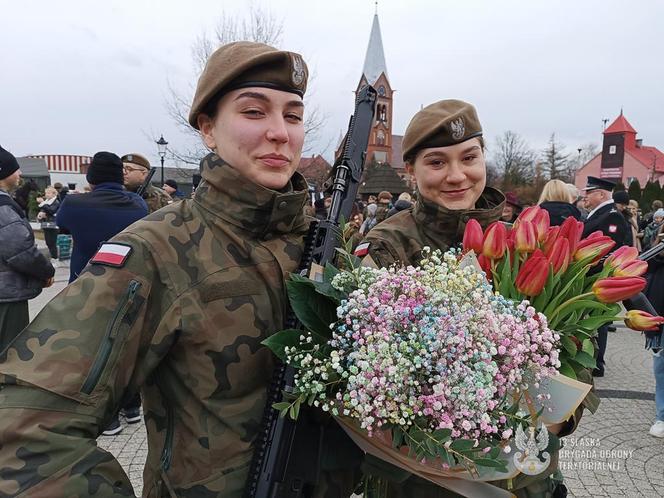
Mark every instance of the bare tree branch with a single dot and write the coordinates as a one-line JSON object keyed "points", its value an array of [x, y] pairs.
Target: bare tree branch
{"points": [[513, 159]]}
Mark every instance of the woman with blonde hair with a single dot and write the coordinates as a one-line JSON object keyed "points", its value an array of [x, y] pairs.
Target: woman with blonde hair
{"points": [[48, 208], [556, 199]]}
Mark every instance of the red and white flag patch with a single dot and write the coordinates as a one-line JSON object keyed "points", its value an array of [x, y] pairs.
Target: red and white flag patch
{"points": [[112, 254], [362, 250], [613, 228]]}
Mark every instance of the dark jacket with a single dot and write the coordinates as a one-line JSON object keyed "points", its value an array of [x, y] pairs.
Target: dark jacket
{"points": [[23, 268], [50, 210], [95, 217], [560, 211], [611, 222]]}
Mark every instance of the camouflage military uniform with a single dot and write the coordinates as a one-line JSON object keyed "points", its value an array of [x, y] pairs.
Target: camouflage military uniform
{"points": [[182, 319], [156, 198], [401, 238]]}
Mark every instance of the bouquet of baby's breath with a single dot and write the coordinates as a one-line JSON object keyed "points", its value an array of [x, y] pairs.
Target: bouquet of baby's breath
{"points": [[429, 354]]}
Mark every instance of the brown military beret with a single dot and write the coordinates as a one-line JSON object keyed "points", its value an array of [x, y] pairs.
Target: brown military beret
{"points": [[444, 123], [136, 159], [245, 64]]}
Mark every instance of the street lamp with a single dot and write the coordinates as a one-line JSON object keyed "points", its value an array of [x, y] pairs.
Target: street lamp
{"points": [[161, 144]]}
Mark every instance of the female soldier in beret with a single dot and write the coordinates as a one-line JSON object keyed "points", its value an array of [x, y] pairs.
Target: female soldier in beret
{"points": [[444, 151], [175, 306]]}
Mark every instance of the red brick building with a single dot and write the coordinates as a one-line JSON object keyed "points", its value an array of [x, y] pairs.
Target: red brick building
{"points": [[623, 157], [315, 169]]}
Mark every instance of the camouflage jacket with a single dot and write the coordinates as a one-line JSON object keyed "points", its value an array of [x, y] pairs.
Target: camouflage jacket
{"points": [[182, 319], [402, 237], [156, 198]]}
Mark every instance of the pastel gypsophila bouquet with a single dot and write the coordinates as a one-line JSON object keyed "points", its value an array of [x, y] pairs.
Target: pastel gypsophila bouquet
{"points": [[429, 353], [567, 278]]}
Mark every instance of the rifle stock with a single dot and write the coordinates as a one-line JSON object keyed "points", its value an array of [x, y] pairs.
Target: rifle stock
{"points": [[287, 452]]}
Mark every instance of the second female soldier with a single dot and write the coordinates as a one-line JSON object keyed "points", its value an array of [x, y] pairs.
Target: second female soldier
{"points": [[443, 150], [175, 306]]}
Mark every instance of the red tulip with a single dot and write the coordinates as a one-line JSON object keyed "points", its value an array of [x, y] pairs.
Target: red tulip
{"points": [[622, 256], [542, 223], [614, 289], [634, 268], [551, 237], [640, 320], [593, 236], [595, 247], [495, 241], [473, 237], [510, 241], [485, 264], [571, 230], [529, 214], [559, 256], [533, 274], [525, 237]]}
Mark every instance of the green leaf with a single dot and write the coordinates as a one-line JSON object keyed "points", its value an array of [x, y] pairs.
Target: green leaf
{"points": [[540, 301], [567, 371], [585, 360], [446, 457], [593, 323], [281, 406], [462, 444], [279, 340], [488, 462], [505, 276], [442, 435], [329, 272], [494, 452], [431, 446], [397, 437], [588, 347], [583, 304], [569, 345], [314, 310]]}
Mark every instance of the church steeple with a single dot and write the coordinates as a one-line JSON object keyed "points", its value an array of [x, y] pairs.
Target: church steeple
{"points": [[374, 73], [374, 60]]}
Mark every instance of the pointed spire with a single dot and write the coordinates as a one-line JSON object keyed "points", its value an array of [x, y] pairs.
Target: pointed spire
{"points": [[374, 61]]}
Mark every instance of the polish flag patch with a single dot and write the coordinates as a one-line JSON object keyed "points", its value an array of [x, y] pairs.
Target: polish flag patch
{"points": [[362, 250], [613, 228], [112, 254]]}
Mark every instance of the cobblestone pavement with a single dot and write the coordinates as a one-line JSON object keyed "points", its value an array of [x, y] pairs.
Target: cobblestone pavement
{"points": [[611, 453]]}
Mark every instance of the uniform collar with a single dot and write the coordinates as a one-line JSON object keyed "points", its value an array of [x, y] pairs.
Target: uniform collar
{"points": [[605, 203], [439, 222], [238, 201]]}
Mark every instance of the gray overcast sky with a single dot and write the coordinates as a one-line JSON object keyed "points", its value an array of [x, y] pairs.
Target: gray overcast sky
{"points": [[83, 76]]}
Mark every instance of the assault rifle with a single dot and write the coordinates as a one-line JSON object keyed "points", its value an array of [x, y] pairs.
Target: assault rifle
{"points": [[287, 452], [146, 182]]}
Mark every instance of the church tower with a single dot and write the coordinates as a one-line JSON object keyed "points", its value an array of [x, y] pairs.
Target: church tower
{"points": [[375, 74]]}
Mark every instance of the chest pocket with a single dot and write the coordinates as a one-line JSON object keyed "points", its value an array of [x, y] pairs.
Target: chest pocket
{"points": [[123, 318]]}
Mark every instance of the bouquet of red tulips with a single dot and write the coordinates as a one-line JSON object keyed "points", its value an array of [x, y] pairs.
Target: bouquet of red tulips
{"points": [[568, 279]]}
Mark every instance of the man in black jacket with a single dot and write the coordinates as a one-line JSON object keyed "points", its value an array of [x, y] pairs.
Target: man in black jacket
{"points": [[24, 271], [605, 217]]}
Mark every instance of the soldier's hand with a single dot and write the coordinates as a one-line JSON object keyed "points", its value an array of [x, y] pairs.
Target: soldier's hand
{"points": [[49, 282]]}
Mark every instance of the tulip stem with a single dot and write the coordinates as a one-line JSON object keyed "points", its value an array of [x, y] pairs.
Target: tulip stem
{"points": [[569, 301]]}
